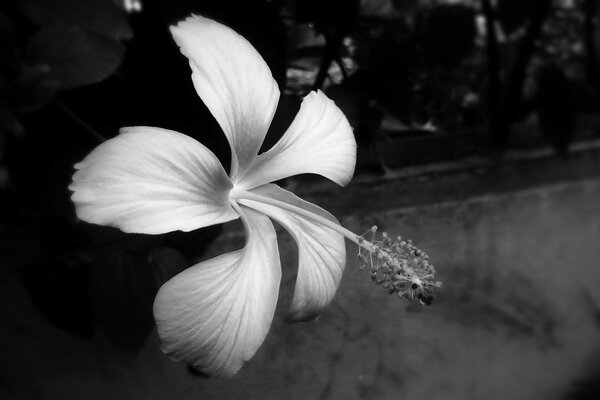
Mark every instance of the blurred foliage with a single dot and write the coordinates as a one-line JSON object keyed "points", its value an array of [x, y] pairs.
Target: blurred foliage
{"points": [[450, 77], [99, 16]]}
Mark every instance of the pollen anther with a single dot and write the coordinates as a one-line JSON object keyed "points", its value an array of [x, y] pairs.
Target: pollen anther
{"points": [[399, 266]]}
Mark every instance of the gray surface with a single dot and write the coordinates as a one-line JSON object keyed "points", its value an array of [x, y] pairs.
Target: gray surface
{"points": [[518, 317]]}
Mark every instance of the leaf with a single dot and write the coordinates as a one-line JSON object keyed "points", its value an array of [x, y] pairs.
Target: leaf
{"points": [[75, 56], [99, 16], [32, 88], [123, 289]]}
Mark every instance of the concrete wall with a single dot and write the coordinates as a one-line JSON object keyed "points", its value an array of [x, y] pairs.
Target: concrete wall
{"points": [[518, 316]]}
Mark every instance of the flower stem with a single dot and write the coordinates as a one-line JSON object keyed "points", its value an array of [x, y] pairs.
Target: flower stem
{"points": [[359, 240], [86, 127]]}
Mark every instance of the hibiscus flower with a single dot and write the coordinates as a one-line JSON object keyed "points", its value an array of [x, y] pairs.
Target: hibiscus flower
{"points": [[216, 314]]}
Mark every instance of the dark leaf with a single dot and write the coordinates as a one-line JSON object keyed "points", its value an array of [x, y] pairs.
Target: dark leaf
{"points": [[123, 289], [75, 56], [32, 88], [99, 16]]}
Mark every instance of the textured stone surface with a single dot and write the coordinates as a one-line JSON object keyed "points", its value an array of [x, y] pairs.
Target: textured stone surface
{"points": [[518, 316]]}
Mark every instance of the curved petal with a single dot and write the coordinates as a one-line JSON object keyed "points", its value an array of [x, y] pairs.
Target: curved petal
{"points": [[152, 180], [216, 314], [319, 141], [321, 251], [234, 82]]}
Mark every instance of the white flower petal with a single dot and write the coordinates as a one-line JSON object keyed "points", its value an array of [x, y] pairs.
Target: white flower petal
{"points": [[321, 251], [152, 180], [319, 141], [234, 82], [216, 314]]}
